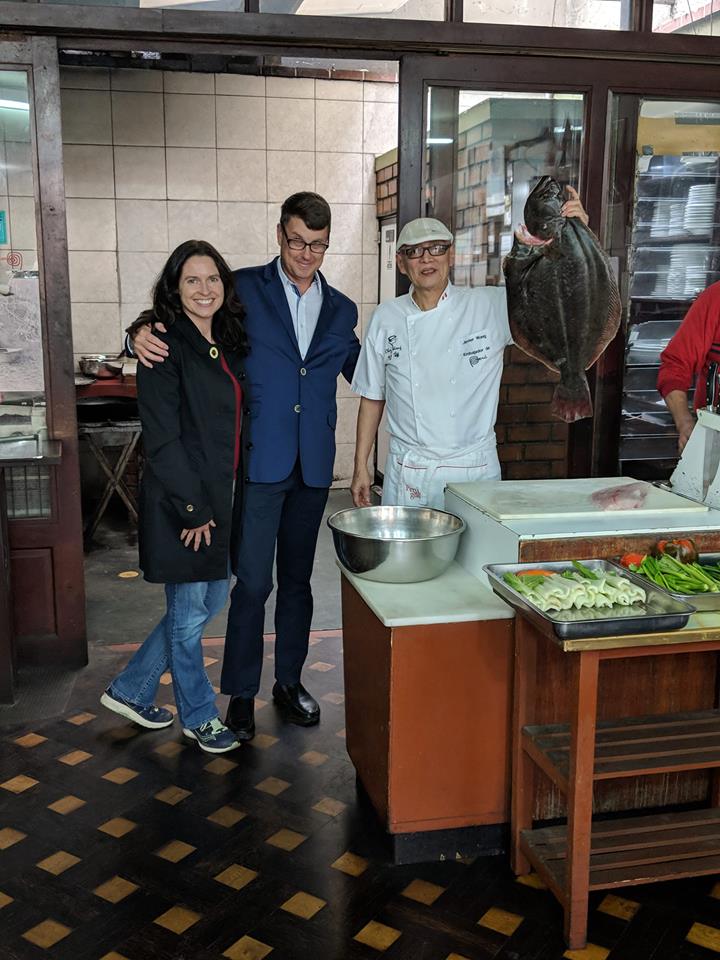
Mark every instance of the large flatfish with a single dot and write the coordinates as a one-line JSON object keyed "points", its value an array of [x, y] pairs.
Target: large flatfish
{"points": [[563, 301]]}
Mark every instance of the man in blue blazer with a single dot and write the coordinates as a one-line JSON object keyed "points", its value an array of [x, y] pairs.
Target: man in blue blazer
{"points": [[302, 338]]}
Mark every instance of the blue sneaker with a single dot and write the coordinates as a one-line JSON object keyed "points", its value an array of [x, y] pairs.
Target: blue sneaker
{"points": [[213, 736], [154, 718]]}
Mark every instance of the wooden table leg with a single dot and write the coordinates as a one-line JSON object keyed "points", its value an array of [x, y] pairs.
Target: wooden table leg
{"points": [[114, 483], [523, 769], [580, 796], [714, 789]]}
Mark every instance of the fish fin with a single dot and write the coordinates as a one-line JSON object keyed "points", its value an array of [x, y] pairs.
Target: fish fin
{"points": [[572, 402], [611, 327], [522, 342]]}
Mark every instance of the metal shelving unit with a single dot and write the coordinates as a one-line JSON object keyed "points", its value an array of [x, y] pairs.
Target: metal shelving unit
{"points": [[675, 254]]}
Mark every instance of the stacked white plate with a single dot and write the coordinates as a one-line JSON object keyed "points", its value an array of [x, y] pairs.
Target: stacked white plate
{"points": [[646, 341], [688, 270], [677, 218], [700, 209], [660, 223]]}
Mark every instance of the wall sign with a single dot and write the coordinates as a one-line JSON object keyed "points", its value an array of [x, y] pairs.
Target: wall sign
{"points": [[3, 227]]}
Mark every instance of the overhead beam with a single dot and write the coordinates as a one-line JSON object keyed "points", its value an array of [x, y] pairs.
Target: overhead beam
{"points": [[392, 38]]}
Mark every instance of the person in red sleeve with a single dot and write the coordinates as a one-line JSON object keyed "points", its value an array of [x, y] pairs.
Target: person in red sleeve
{"points": [[688, 355]]}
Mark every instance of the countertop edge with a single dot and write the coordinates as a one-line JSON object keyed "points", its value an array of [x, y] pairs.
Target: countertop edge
{"points": [[497, 609]]}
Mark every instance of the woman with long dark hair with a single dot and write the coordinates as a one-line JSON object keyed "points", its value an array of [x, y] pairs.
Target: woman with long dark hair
{"points": [[191, 415]]}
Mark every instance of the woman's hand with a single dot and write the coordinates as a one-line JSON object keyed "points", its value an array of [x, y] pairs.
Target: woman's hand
{"points": [[573, 206], [148, 348], [195, 535]]}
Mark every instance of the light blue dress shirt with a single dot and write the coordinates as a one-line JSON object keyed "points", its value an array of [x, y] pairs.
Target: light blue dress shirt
{"points": [[304, 308]]}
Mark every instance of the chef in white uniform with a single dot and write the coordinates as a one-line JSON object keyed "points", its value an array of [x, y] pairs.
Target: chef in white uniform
{"points": [[433, 359]]}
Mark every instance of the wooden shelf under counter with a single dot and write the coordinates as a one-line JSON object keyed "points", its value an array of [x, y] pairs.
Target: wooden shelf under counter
{"points": [[584, 855], [632, 850]]}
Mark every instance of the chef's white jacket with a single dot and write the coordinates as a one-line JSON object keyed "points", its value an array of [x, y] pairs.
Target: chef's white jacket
{"points": [[439, 372]]}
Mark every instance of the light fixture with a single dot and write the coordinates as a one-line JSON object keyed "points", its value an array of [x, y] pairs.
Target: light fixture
{"points": [[435, 140]]}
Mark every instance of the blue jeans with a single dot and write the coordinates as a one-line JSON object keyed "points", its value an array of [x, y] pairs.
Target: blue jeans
{"points": [[176, 642]]}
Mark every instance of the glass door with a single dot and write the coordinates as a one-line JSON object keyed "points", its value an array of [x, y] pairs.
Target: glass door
{"points": [[22, 376], [485, 151], [664, 228], [37, 392], [477, 141]]}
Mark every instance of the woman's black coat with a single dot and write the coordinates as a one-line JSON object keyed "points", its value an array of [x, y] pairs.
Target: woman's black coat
{"points": [[187, 410]]}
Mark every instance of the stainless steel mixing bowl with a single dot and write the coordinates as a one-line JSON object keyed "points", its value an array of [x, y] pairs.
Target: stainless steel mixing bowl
{"points": [[396, 544], [100, 365]]}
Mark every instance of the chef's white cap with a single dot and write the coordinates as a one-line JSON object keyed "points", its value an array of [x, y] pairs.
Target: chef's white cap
{"points": [[421, 230]]}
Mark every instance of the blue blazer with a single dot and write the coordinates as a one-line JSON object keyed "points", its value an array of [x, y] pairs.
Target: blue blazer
{"points": [[291, 409]]}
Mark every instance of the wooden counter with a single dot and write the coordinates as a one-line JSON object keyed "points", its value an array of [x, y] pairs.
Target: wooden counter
{"points": [[428, 692], [581, 753], [428, 715]]}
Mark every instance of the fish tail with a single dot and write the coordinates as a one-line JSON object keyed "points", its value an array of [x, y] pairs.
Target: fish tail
{"points": [[571, 401]]}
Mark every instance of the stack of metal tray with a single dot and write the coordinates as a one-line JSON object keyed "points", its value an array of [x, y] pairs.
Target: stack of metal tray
{"points": [[701, 601], [660, 612]]}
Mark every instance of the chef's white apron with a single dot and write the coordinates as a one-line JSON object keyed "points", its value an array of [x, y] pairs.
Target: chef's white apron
{"points": [[417, 478]]}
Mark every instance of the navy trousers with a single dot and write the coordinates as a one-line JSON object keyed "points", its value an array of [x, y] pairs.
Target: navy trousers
{"points": [[286, 514]]}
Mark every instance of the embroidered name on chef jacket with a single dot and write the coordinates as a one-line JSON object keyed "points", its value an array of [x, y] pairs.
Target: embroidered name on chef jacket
{"points": [[393, 349], [476, 347]]}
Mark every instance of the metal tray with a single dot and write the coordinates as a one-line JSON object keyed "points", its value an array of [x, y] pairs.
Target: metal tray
{"points": [[701, 601], [660, 612]]}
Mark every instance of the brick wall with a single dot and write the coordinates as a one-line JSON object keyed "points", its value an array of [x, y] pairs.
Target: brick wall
{"points": [[386, 190], [531, 443]]}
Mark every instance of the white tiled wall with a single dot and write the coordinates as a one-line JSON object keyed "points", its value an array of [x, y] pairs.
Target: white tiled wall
{"points": [[152, 159]]}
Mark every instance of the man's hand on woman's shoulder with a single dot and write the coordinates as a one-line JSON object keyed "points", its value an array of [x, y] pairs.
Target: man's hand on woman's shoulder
{"points": [[148, 348]]}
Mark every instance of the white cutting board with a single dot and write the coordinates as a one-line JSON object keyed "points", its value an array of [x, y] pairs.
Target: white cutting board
{"points": [[525, 499]]}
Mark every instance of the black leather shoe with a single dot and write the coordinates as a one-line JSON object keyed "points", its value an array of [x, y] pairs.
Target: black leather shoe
{"points": [[241, 717], [296, 704]]}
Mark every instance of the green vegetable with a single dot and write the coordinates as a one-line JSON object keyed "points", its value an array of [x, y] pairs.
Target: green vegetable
{"points": [[517, 583], [671, 574], [584, 571]]}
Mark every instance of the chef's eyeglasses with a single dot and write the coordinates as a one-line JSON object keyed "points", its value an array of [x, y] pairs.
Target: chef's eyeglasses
{"points": [[434, 249], [295, 243]]}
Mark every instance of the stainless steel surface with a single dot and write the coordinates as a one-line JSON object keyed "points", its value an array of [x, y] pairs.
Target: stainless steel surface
{"points": [[660, 611], [395, 544], [100, 365], [15, 453]]}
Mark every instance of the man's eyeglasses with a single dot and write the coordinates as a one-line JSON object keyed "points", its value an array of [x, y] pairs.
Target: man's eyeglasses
{"points": [[295, 243], [434, 249]]}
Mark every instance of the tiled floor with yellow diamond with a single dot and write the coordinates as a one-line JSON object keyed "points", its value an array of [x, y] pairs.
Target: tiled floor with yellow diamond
{"points": [[122, 844]]}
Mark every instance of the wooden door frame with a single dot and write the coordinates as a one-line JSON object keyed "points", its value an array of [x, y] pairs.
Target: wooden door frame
{"points": [[591, 452], [58, 538]]}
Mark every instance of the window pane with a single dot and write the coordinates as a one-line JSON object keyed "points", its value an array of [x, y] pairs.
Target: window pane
{"points": [[505, 143], [22, 383], [698, 17], [394, 9], [590, 14]]}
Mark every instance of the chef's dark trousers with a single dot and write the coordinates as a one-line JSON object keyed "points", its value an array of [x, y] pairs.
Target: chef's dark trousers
{"points": [[287, 514]]}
